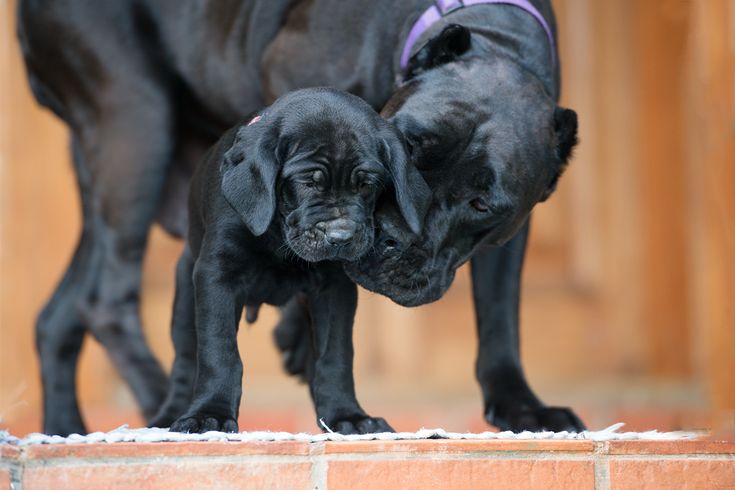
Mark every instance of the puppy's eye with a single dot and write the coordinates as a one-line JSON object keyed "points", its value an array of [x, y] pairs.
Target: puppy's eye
{"points": [[480, 205], [365, 181], [315, 179]]}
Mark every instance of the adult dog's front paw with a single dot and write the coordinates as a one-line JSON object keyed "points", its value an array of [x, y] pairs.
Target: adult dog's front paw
{"points": [[519, 418], [360, 425], [204, 423]]}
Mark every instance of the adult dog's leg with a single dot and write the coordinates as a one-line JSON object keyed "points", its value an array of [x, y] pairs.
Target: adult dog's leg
{"points": [[510, 404], [60, 329], [122, 162], [183, 334], [111, 87], [332, 385], [129, 153]]}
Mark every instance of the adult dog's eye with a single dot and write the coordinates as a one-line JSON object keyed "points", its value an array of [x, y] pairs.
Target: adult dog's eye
{"points": [[480, 205], [413, 143]]}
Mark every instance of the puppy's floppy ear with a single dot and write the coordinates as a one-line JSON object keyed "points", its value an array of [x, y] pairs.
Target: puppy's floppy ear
{"points": [[565, 130], [412, 193], [452, 42], [249, 172]]}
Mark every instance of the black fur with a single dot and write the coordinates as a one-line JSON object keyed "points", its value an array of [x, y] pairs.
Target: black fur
{"points": [[145, 86], [294, 187]]}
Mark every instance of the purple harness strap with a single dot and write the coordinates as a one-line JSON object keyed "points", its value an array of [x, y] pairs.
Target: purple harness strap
{"points": [[443, 7]]}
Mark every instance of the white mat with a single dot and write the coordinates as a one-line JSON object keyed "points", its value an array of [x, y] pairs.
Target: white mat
{"points": [[123, 434]]}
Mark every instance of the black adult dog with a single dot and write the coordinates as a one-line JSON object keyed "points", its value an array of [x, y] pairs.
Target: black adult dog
{"points": [[296, 185], [141, 82]]}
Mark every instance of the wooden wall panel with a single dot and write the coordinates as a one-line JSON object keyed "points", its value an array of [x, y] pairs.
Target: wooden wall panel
{"points": [[710, 126], [660, 32]]}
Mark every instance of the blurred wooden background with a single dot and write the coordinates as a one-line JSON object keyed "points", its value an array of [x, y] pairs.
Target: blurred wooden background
{"points": [[629, 284]]}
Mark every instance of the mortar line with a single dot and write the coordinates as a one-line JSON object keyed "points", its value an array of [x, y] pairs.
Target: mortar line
{"points": [[602, 465], [16, 475], [318, 474]]}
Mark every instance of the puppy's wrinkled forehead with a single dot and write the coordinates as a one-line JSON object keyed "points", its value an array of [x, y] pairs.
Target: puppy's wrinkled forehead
{"points": [[327, 122], [330, 135]]}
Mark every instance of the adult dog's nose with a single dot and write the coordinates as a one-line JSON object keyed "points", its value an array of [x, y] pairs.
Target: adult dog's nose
{"points": [[339, 231]]}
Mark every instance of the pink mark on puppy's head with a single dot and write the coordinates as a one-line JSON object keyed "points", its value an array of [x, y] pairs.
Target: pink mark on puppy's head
{"points": [[254, 120]]}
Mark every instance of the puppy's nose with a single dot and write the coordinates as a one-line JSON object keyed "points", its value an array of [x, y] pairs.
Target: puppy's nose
{"points": [[339, 231]]}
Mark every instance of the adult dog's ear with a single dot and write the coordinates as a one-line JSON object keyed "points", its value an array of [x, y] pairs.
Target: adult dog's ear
{"points": [[412, 193], [249, 172], [452, 42], [565, 130]]}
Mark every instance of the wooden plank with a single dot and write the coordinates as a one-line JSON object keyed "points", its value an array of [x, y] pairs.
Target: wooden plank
{"points": [[660, 30], [711, 158]]}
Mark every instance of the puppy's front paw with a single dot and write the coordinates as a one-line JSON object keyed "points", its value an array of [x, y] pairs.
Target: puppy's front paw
{"points": [[360, 425], [518, 419], [204, 423]]}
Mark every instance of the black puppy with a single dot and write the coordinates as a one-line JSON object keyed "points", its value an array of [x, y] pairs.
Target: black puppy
{"points": [[297, 184]]}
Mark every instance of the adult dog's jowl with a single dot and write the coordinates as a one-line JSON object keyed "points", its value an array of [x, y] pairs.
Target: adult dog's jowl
{"points": [[145, 85]]}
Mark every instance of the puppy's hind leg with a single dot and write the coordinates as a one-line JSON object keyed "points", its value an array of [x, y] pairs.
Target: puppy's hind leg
{"points": [[183, 334], [293, 337]]}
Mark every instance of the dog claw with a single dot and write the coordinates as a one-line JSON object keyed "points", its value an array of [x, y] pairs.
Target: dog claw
{"points": [[201, 423], [373, 425], [519, 419], [365, 425]]}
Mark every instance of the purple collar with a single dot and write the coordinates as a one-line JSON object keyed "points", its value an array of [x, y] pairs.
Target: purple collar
{"points": [[443, 7]]}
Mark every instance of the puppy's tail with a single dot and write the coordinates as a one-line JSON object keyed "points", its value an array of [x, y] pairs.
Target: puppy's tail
{"points": [[293, 338]]}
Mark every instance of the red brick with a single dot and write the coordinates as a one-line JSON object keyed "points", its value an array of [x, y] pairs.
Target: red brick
{"points": [[462, 474], [683, 474], [4, 479], [181, 475], [455, 446], [672, 447], [8, 451], [155, 449]]}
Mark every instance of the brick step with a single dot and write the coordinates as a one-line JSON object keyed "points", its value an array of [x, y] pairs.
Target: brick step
{"points": [[421, 464]]}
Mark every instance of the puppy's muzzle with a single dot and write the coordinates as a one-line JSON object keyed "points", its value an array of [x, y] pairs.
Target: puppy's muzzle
{"points": [[338, 231]]}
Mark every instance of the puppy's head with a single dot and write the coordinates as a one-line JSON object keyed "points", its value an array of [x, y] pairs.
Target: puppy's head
{"points": [[315, 163]]}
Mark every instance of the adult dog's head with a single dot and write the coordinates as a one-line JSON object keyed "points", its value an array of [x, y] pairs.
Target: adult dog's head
{"points": [[490, 142], [312, 167]]}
